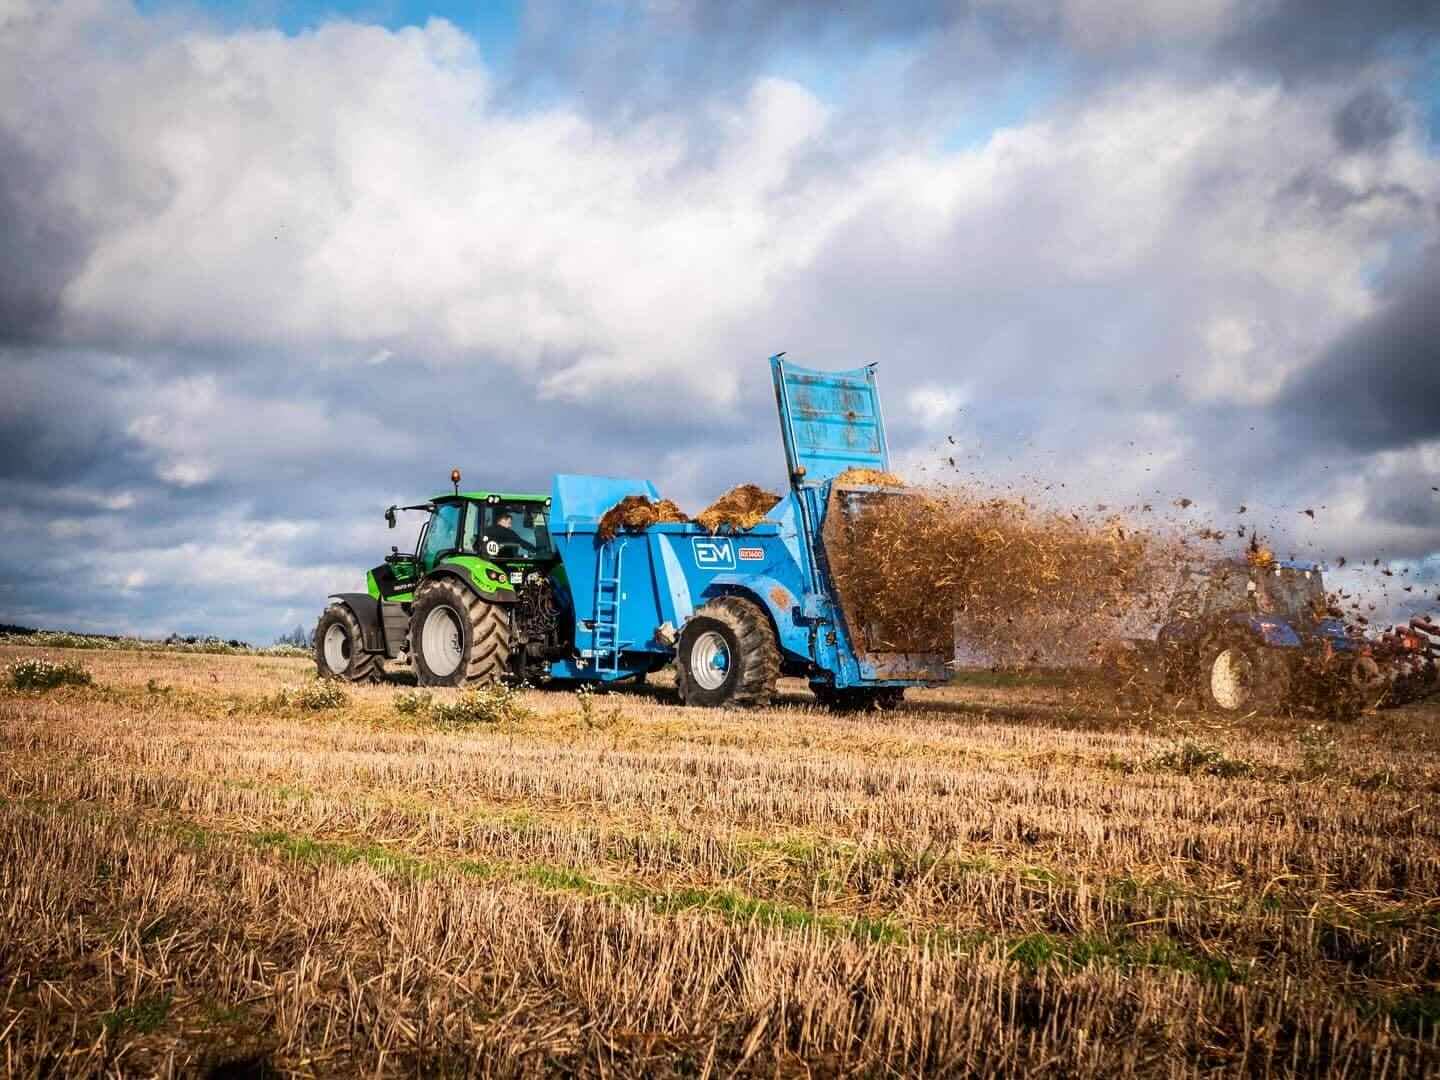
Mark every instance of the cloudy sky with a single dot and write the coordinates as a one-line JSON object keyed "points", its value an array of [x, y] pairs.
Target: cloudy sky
{"points": [[267, 268]]}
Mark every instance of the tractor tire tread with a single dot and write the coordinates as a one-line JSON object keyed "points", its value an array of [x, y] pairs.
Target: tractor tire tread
{"points": [[364, 667], [489, 657]]}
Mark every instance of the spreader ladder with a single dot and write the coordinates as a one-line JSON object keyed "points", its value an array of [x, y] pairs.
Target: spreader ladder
{"points": [[605, 643]]}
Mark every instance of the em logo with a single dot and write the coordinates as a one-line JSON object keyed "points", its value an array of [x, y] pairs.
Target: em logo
{"points": [[713, 552]]}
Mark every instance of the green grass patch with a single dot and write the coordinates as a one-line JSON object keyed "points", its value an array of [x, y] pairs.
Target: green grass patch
{"points": [[143, 1016], [1198, 759], [1035, 952], [310, 850], [1416, 1014]]}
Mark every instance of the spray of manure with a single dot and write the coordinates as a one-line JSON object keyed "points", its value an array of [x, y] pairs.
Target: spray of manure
{"points": [[1012, 582]]}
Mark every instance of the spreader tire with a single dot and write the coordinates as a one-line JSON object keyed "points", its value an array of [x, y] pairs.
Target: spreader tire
{"points": [[858, 698], [727, 655], [340, 648], [1236, 676], [456, 637]]}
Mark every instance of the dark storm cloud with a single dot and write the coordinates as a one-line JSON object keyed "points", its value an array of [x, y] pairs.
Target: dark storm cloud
{"points": [[57, 422], [1331, 195], [1378, 386], [1308, 39], [636, 58], [1369, 119], [39, 248]]}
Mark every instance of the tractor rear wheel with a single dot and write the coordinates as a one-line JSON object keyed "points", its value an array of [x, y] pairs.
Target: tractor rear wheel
{"points": [[340, 648], [1237, 676], [727, 655], [1362, 685], [456, 637]]}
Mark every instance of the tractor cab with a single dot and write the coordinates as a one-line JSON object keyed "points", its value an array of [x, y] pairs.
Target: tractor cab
{"points": [[510, 532], [506, 529], [1280, 603], [1289, 591]]}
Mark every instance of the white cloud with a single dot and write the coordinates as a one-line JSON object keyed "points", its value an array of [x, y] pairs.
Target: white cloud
{"points": [[185, 473], [935, 406], [358, 187]]}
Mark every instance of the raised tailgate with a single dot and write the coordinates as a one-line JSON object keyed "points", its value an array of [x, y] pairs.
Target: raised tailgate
{"points": [[831, 420]]}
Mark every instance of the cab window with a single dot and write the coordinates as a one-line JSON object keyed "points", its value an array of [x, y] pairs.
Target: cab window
{"points": [[442, 534]]}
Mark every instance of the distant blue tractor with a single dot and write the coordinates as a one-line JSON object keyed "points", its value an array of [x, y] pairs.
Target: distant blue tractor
{"points": [[1249, 635], [525, 587]]}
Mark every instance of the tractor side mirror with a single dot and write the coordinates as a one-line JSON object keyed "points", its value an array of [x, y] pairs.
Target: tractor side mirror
{"points": [[390, 517]]}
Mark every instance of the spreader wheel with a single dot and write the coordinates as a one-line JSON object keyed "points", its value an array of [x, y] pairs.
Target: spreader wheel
{"points": [[727, 655], [456, 637], [340, 648]]}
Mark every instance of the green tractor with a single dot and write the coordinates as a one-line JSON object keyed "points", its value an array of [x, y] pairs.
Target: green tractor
{"points": [[474, 602]]}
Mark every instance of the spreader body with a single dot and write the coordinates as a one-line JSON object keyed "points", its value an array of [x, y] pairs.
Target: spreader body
{"points": [[634, 592]]}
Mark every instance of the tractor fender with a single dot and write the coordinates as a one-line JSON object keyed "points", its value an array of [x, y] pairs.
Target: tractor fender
{"points": [[1269, 631], [497, 594], [366, 610]]}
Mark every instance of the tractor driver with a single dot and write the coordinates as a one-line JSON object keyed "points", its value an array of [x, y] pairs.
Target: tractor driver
{"points": [[503, 532]]}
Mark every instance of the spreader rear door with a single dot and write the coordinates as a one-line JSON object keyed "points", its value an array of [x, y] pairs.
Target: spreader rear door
{"points": [[830, 419]]}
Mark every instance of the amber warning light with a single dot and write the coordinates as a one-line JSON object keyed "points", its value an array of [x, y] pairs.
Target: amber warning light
{"points": [[455, 479]]}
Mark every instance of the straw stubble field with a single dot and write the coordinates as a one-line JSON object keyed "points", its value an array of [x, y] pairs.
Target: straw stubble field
{"points": [[199, 873]]}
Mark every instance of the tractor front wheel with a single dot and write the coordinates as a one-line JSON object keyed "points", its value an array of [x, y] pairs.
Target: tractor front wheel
{"points": [[456, 637], [1237, 676], [340, 648], [727, 655]]}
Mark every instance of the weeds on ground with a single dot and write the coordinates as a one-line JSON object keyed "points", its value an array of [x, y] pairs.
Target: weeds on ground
{"points": [[592, 717], [63, 639], [1199, 759], [1319, 750], [315, 696], [35, 674], [492, 704], [412, 702]]}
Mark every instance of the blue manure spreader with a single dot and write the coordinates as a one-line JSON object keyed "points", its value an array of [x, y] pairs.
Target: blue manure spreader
{"points": [[529, 587]]}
